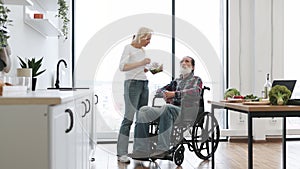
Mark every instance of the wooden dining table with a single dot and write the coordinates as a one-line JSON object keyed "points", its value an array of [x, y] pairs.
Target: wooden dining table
{"points": [[258, 111]]}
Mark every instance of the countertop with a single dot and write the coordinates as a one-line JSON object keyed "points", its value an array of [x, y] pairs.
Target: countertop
{"points": [[43, 97]]}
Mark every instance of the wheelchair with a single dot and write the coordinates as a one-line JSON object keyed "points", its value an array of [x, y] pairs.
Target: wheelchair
{"points": [[196, 133]]}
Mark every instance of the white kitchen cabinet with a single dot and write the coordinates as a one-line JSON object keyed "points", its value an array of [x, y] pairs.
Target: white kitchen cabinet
{"points": [[24, 142], [85, 141], [47, 131], [62, 126], [79, 136]]}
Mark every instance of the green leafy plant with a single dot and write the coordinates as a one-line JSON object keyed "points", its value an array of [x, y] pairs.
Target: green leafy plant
{"points": [[4, 36], [35, 65], [4, 22], [279, 95], [231, 92], [63, 11]]}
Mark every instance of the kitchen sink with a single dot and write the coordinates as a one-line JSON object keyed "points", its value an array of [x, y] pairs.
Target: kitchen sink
{"points": [[67, 88]]}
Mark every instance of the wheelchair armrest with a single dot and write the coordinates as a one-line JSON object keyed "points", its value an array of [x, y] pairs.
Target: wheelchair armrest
{"points": [[156, 96], [159, 95]]}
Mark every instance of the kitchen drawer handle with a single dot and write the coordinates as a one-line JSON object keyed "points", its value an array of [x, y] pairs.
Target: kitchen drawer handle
{"points": [[89, 105], [72, 120], [97, 99], [84, 108]]}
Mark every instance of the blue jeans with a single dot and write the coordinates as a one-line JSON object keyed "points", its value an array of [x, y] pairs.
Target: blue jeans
{"points": [[167, 115], [136, 93]]}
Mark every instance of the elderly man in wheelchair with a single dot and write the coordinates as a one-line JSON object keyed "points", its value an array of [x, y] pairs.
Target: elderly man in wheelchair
{"points": [[182, 97]]}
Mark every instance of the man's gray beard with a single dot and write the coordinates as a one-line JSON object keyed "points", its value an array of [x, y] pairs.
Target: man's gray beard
{"points": [[185, 71]]}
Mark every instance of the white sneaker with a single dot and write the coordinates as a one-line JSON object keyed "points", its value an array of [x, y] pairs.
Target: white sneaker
{"points": [[124, 159]]}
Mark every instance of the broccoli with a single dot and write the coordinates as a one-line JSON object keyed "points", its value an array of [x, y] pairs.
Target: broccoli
{"points": [[279, 95], [231, 92]]}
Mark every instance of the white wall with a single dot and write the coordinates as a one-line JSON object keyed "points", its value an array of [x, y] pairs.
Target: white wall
{"points": [[250, 53], [27, 43], [256, 48]]}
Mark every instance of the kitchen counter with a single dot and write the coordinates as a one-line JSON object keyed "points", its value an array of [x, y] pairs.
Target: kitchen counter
{"points": [[47, 129], [43, 97]]}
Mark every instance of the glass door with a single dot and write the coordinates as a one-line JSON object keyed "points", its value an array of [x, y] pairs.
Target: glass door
{"points": [[99, 43]]}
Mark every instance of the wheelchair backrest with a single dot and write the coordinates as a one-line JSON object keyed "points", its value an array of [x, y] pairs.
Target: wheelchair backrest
{"points": [[193, 109]]}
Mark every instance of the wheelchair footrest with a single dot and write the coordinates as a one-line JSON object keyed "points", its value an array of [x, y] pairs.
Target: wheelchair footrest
{"points": [[168, 157], [142, 159], [164, 156]]}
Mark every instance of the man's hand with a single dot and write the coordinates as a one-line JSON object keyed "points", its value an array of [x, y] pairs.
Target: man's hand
{"points": [[168, 96]]}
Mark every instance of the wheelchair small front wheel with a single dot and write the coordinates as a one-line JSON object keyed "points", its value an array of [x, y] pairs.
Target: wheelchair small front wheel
{"points": [[202, 136], [179, 155]]}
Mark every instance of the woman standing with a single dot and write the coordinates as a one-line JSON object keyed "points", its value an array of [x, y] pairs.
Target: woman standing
{"points": [[133, 62]]}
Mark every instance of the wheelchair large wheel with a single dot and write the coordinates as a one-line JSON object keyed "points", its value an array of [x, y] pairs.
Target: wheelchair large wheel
{"points": [[153, 134], [202, 134], [179, 155], [153, 144]]}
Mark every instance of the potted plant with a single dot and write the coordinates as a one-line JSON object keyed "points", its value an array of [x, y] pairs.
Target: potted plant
{"points": [[63, 10], [35, 66], [4, 48]]}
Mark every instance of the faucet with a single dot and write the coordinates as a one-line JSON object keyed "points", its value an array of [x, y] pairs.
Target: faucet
{"points": [[57, 72]]}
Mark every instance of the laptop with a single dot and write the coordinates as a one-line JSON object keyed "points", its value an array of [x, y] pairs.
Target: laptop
{"points": [[290, 84]]}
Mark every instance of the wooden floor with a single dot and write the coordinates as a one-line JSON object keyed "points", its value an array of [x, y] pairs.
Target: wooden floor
{"points": [[229, 155]]}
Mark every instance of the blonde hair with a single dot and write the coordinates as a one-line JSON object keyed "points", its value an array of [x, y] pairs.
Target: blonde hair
{"points": [[142, 33]]}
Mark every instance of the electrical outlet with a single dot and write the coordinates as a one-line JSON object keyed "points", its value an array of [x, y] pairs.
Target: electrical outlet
{"points": [[241, 118], [273, 120]]}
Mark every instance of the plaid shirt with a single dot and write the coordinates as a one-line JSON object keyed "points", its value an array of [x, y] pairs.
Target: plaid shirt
{"points": [[187, 90]]}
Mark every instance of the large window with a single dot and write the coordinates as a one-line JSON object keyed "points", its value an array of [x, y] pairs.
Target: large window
{"points": [[205, 43], [291, 50], [99, 45]]}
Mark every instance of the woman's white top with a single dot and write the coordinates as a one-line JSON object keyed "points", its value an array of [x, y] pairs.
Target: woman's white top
{"points": [[131, 55]]}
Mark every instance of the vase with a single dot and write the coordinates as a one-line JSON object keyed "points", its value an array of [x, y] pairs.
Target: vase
{"points": [[27, 74], [33, 84]]}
